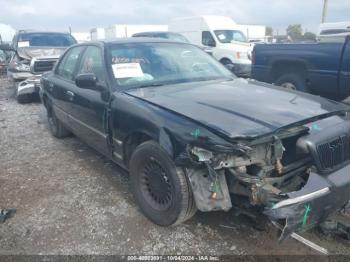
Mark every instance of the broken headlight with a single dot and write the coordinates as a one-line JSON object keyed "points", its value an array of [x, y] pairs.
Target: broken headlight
{"points": [[202, 154], [22, 65]]}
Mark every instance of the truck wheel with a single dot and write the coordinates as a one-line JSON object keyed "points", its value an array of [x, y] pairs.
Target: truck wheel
{"points": [[292, 82], [56, 127], [161, 190]]}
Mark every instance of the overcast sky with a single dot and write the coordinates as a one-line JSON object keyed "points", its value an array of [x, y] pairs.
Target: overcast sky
{"points": [[82, 15]]}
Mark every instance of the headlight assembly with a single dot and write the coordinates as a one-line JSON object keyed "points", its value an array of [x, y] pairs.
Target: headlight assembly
{"points": [[21, 65]]}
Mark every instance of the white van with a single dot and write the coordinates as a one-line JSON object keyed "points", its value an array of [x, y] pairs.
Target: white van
{"points": [[333, 32], [229, 44]]}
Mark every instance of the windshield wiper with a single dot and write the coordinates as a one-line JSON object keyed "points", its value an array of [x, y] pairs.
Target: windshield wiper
{"points": [[148, 85]]}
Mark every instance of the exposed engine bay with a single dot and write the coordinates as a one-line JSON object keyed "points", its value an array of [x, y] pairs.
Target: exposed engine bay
{"points": [[289, 177]]}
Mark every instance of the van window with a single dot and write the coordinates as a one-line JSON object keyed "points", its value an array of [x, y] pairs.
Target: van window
{"points": [[228, 36], [207, 39]]}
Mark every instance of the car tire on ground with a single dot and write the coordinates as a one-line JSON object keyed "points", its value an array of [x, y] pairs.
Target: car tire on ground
{"points": [[161, 190], [293, 81], [228, 64], [24, 99], [56, 127]]}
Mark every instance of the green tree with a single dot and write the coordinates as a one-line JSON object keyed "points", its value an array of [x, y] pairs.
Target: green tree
{"points": [[309, 36], [295, 31], [269, 31]]}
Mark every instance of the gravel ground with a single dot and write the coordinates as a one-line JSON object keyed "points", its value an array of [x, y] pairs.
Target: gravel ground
{"points": [[72, 200]]}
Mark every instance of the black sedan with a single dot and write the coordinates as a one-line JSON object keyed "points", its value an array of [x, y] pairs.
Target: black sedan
{"points": [[194, 136]]}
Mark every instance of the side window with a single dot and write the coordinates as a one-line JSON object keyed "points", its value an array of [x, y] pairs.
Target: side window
{"points": [[207, 39], [68, 63], [92, 62]]}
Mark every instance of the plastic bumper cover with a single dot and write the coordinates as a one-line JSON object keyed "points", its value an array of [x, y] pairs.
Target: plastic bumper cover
{"points": [[29, 86], [321, 197]]}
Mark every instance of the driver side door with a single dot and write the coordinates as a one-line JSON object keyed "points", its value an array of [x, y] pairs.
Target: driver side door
{"points": [[88, 117]]}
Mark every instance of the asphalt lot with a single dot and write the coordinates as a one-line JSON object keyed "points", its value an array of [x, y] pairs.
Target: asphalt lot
{"points": [[72, 200]]}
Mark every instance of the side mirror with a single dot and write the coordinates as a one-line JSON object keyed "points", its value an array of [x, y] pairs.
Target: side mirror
{"points": [[6, 47], [87, 81]]}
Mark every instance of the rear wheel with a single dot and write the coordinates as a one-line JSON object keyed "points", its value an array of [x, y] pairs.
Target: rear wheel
{"points": [[293, 81], [56, 127], [161, 190]]}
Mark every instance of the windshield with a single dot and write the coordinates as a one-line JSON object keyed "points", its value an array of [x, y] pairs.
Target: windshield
{"points": [[147, 64], [45, 39], [227, 36]]}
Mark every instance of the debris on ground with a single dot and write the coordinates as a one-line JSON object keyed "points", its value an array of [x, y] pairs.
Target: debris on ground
{"points": [[6, 214]]}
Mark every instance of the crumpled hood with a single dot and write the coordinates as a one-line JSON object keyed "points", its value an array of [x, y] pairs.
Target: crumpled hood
{"points": [[238, 108], [33, 52]]}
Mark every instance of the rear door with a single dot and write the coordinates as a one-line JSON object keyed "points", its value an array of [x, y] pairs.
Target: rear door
{"points": [[60, 85], [344, 74], [88, 117]]}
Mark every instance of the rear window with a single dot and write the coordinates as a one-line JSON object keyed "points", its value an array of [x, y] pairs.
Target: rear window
{"points": [[45, 39]]}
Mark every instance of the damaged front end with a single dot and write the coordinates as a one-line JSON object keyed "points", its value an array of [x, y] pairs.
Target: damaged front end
{"points": [[298, 178], [38, 66]]}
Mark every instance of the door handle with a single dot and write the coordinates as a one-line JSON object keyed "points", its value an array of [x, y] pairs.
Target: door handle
{"points": [[70, 95]]}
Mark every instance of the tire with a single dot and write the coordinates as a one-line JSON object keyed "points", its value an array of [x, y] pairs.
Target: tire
{"points": [[161, 190], [56, 127], [294, 81], [24, 99]]}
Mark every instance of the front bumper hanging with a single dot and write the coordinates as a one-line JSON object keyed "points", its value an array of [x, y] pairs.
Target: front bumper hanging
{"points": [[29, 86], [321, 197]]}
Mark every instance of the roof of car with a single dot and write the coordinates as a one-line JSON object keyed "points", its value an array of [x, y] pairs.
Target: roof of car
{"points": [[156, 32], [136, 40], [40, 31]]}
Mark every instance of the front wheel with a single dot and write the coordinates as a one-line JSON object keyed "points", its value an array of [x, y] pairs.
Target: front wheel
{"points": [[293, 81], [161, 190]]}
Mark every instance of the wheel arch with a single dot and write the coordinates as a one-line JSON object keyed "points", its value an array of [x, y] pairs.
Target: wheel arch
{"points": [[137, 137], [281, 67], [225, 59]]}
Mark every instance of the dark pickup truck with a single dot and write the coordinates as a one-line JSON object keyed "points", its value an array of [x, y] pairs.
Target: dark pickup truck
{"points": [[317, 68]]}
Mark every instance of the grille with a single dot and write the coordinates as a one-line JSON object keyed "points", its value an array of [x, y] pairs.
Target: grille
{"points": [[334, 152], [41, 66]]}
